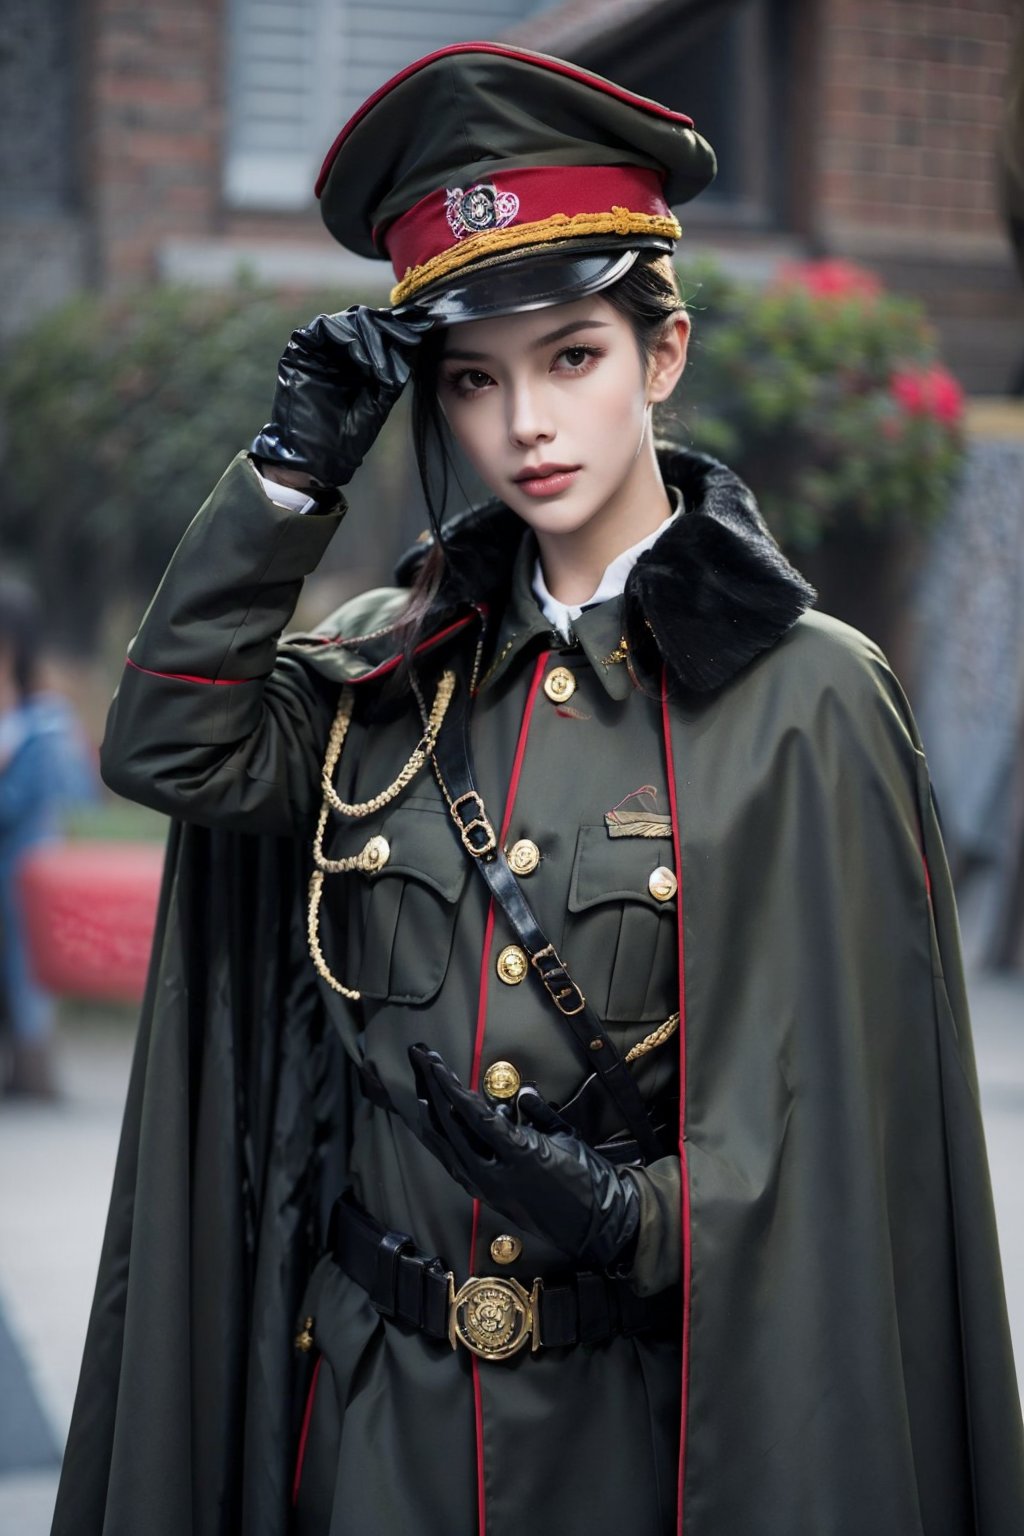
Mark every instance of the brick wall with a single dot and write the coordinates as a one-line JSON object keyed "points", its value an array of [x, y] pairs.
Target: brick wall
{"points": [[895, 165], [42, 245], [912, 99], [155, 123]]}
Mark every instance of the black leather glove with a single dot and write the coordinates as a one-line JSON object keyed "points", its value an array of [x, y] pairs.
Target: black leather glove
{"points": [[337, 380], [547, 1181]]}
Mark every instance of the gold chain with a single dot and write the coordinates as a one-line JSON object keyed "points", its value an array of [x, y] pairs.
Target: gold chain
{"points": [[655, 1038], [423, 749], [363, 860]]}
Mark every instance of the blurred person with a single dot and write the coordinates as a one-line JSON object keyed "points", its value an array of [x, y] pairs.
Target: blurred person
{"points": [[554, 1105], [45, 767]]}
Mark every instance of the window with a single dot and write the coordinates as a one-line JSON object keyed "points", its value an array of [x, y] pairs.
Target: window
{"points": [[298, 69]]}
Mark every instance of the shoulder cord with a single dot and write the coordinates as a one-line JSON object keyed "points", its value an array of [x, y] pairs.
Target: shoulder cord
{"points": [[368, 858]]}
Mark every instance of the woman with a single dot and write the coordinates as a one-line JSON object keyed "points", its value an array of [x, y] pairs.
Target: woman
{"points": [[575, 1060]]}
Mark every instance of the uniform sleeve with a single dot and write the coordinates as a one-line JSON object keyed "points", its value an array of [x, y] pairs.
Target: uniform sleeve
{"points": [[657, 1260], [209, 724]]}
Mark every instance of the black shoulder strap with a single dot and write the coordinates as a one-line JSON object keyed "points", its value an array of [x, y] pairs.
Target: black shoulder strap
{"points": [[453, 754]]}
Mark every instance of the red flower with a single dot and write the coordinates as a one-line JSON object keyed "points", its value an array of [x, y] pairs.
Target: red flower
{"points": [[908, 391], [928, 392], [830, 278], [947, 398]]}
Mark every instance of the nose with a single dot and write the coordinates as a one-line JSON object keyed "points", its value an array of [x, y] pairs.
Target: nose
{"points": [[529, 421]]}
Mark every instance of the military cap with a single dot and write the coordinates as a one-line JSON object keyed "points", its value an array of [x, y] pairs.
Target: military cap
{"points": [[495, 179]]}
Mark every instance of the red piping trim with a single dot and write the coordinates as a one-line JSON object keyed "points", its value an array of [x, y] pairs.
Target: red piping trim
{"points": [[478, 1047], [183, 677], [666, 728], [927, 877], [543, 61], [304, 1436], [380, 671], [424, 645]]}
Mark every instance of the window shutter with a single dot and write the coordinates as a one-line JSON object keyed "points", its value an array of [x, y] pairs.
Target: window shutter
{"points": [[298, 69]]}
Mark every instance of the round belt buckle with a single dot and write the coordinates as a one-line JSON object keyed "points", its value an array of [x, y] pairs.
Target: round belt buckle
{"points": [[494, 1316]]}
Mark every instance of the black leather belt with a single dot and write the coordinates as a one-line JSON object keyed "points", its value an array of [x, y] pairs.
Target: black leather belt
{"points": [[492, 1315]]}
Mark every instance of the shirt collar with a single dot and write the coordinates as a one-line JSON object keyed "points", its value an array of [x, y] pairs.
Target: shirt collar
{"points": [[597, 628], [562, 616]]}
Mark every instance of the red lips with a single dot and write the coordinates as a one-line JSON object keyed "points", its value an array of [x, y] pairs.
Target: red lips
{"points": [[541, 472]]}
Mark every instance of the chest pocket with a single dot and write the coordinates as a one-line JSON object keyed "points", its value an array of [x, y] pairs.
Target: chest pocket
{"points": [[620, 942], [399, 922]]}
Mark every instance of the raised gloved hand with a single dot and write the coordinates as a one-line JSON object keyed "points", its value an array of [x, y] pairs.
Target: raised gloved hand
{"points": [[547, 1181], [337, 380]]}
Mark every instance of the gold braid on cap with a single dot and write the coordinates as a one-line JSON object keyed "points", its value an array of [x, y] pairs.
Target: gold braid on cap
{"points": [[559, 226]]}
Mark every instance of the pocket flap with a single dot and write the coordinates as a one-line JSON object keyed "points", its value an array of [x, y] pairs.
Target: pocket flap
{"points": [[422, 846], [617, 869]]}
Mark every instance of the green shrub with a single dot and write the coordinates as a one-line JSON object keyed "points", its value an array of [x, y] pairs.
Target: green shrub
{"points": [[826, 395], [120, 415], [823, 392]]}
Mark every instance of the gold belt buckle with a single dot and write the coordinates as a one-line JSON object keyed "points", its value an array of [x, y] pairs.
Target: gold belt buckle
{"points": [[493, 1315]]}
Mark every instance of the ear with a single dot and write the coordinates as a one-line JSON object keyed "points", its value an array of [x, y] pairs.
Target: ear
{"points": [[669, 358]]}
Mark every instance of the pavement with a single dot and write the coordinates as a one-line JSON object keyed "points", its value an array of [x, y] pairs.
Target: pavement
{"points": [[56, 1164]]}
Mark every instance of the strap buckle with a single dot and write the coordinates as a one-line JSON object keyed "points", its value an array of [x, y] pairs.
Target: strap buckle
{"points": [[493, 1315], [559, 985], [475, 830]]}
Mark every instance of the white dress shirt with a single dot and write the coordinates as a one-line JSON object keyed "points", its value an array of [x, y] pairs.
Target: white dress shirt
{"points": [[561, 615]]}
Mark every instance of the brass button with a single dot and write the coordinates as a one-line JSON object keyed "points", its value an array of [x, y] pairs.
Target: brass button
{"points": [[523, 857], [376, 854], [559, 685], [506, 1249], [304, 1340], [511, 965], [501, 1080], [662, 883]]}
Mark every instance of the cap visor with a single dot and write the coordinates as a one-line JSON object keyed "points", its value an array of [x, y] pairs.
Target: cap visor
{"points": [[523, 281]]}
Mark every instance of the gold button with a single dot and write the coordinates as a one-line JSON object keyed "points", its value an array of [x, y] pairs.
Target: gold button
{"points": [[376, 854], [501, 1080], [662, 884], [511, 965], [559, 685], [506, 1249], [523, 857]]}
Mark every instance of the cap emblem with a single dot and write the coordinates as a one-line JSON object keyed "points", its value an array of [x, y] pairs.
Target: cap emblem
{"points": [[481, 207]]}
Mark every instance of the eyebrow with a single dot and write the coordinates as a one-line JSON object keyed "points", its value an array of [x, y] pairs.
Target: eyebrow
{"points": [[542, 341]]}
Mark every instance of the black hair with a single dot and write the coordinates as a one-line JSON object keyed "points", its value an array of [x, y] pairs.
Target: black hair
{"points": [[648, 296], [21, 626]]}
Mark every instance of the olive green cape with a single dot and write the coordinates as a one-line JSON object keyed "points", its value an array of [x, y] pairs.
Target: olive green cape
{"points": [[847, 1359]]}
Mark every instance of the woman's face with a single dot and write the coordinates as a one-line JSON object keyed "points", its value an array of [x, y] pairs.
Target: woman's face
{"points": [[551, 408]]}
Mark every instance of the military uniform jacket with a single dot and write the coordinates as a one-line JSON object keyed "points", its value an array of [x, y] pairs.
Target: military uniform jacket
{"points": [[726, 810]]}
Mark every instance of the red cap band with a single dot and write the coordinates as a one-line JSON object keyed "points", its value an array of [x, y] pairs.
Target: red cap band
{"points": [[543, 202]]}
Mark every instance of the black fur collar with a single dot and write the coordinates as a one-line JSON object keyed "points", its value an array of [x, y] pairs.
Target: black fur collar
{"points": [[713, 592]]}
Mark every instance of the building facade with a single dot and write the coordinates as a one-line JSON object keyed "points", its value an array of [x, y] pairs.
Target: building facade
{"points": [[179, 139]]}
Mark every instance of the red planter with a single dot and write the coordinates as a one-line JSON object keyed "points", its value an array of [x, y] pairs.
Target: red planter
{"points": [[90, 910]]}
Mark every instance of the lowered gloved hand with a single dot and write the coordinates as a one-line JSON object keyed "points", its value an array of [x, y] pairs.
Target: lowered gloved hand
{"points": [[547, 1181], [337, 380]]}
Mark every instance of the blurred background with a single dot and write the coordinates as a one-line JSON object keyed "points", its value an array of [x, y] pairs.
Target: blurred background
{"points": [[856, 280]]}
